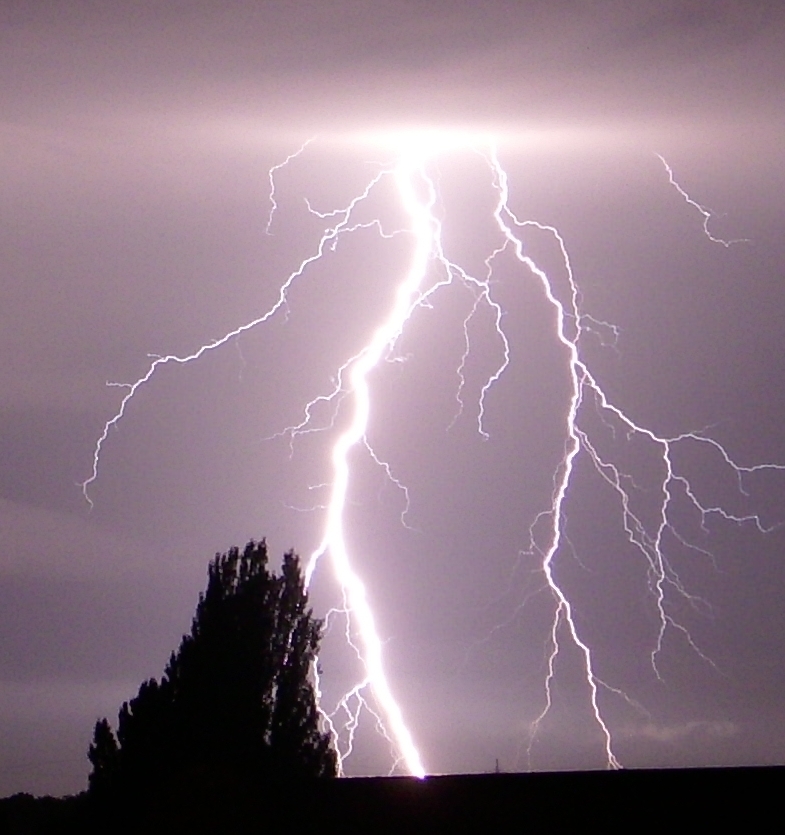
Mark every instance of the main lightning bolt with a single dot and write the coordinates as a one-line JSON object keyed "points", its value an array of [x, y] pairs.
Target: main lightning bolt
{"points": [[429, 270]]}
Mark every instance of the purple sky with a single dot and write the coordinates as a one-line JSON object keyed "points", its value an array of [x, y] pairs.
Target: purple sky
{"points": [[135, 146]]}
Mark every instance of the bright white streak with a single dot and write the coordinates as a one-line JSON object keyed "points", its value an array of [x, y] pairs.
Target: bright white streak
{"points": [[334, 540], [561, 480]]}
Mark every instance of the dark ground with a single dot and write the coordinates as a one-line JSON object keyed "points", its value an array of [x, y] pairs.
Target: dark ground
{"points": [[619, 801]]}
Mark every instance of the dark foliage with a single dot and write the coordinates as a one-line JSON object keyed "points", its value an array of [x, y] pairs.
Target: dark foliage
{"points": [[235, 703]]}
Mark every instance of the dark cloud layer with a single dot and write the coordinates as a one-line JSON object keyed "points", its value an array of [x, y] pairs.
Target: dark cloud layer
{"points": [[346, 62]]}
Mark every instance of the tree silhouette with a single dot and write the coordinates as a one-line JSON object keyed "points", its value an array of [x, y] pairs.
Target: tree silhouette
{"points": [[235, 699]]}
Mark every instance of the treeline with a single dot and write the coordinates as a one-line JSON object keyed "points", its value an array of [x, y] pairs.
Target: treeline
{"points": [[230, 730], [237, 696]]}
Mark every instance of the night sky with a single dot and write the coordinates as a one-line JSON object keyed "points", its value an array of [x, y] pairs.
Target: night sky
{"points": [[135, 146]]}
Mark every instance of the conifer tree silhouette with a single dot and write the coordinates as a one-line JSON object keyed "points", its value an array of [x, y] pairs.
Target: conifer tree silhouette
{"points": [[236, 698]]}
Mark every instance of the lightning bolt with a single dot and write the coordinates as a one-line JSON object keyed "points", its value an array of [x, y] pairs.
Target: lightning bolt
{"points": [[705, 213], [430, 269]]}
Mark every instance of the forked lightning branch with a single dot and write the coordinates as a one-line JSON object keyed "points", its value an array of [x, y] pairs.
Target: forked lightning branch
{"points": [[410, 168]]}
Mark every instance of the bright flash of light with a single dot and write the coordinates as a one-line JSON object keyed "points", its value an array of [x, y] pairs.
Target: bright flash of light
{"points": [[430, 269], [425, 231]]}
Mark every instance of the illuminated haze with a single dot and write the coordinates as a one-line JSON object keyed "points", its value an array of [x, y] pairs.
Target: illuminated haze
{"points": [[135, 154]]}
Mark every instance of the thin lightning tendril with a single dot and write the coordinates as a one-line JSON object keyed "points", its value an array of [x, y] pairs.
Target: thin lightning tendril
{"points": [[430, 270], [707, 214], [271, 177]]}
